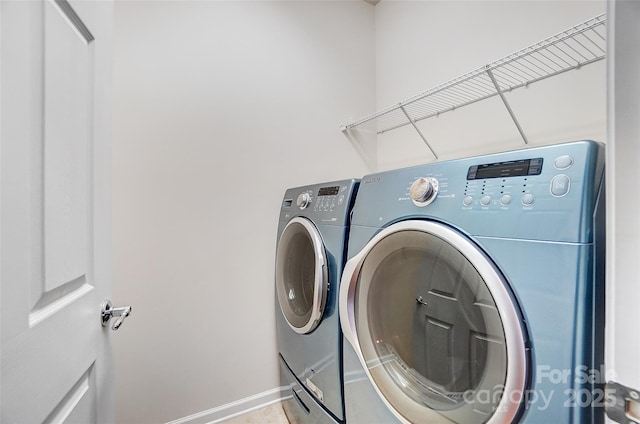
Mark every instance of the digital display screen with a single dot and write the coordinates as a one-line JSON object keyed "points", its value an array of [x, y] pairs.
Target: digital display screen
{"points": [[516, 168], [329, 191]]}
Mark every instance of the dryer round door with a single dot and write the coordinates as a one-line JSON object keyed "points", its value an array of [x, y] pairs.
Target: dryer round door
{"points": [[435, 326], [301, 275]]}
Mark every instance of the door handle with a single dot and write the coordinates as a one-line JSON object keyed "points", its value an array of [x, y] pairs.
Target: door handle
{"points": [[107, 311]]}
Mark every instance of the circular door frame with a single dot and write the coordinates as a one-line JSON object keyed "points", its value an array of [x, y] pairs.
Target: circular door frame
{"points": [[320, 283], [517, 359]]}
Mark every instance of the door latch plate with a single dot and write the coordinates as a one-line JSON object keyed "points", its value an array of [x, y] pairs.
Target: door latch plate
{"points": [[623, 403]]}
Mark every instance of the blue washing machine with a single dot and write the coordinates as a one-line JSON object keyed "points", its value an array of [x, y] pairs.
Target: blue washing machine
{"points": [[474, 291], [311, 251]]}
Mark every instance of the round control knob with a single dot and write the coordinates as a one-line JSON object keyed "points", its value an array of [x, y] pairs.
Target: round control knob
{"points": [[303, 200], [423, 191]]}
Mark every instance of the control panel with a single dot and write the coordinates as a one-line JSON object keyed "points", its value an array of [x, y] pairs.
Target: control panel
{"points": [[545, 192], [323, 200], [325, 203], [328, 198], [500, 185], [515, 183]]}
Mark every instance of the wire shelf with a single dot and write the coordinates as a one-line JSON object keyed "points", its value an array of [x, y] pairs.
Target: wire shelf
{"points": [[571, 49]]}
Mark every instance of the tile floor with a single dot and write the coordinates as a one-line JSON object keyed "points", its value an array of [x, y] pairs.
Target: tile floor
{"points": [[272, 414]]}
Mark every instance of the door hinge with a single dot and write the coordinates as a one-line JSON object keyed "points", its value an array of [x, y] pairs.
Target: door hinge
{"points": [[623, 403]]}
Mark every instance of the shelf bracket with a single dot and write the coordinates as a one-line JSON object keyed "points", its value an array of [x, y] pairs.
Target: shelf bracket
{"points": [[506, 104], [418, 130]]}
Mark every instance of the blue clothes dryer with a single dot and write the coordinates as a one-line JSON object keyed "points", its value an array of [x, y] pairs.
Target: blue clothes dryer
{"points": [[474, 291], [311, 251]]}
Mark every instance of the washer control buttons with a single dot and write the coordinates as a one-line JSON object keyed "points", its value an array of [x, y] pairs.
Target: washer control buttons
{"points": [[528, 199], [563, 162], [485, 200], [560, 185], [303, 200], [467, 201], [505, 199], [423, 191]]}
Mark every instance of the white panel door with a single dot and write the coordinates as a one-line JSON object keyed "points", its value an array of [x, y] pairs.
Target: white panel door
{"points": [[55, 211]]}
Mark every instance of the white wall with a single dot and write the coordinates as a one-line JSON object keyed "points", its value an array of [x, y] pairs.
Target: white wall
{"points": [[623, 226], [219, 107], [421, 44]]}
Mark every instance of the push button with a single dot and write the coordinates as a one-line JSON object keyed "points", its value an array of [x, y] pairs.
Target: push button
{"points": [[485, 200], [563, 162], [467, 201], [560, 185], [505, 199], [528, 199]]}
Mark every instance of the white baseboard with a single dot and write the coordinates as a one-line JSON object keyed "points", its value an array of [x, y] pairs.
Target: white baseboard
{"points": [[233, 409]]}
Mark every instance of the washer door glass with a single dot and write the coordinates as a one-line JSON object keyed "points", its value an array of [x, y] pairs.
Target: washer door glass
{"points": [[428, 308], [301, 275]]}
